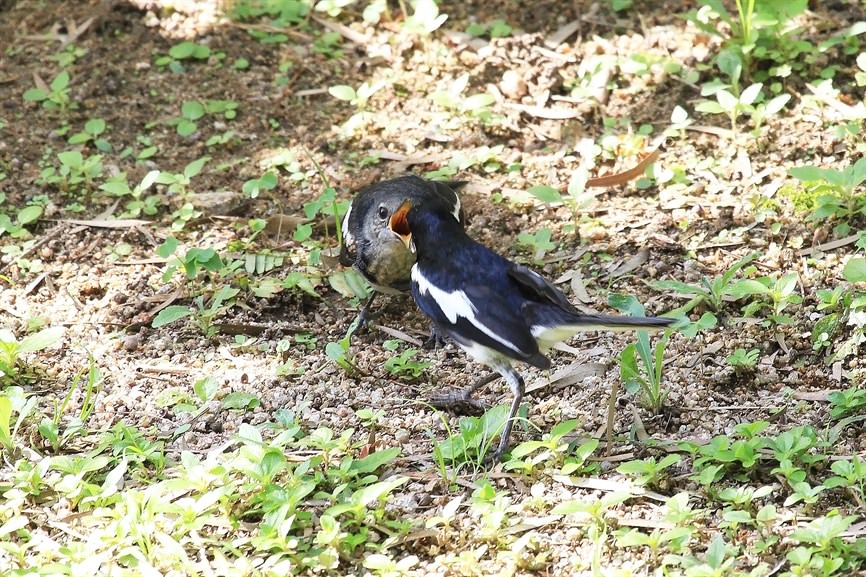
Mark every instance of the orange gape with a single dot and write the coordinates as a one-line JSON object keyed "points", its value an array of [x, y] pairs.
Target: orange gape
{"points": [[398, 222]]}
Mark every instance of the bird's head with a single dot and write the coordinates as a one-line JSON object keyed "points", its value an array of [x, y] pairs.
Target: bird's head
{"points": [[399, 224]]}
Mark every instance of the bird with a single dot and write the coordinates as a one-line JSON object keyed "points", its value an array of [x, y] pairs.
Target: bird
{"points": [[498, 311], [368, 245]]}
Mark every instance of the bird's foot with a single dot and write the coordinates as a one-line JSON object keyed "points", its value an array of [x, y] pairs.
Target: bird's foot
{"points": [[493, 457], [460, 403], [434, 341]]}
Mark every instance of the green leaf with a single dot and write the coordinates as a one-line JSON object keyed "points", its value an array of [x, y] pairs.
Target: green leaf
{"points": [[716, 552], [477, 101], [744, 288], [95, 126], [70, 158], [41, 340], [626, 303], [241, 401], [35, 95], [195, 167], [167, 248], [750, 94], [186, 127], [205, 389], [5, 421], [374, 460], [709, 107], [29, 214], [192, 109], [855, 270], [60, 82], [545, 193], [776, 104], [343, 92], [169, 315]]}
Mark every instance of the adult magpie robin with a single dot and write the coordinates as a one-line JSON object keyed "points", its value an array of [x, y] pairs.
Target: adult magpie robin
{"points": [[496, 310], [372, 248]]}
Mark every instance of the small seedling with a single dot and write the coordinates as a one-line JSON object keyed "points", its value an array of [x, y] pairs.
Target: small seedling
{"points": [[848, 402], [76, 175], [178, 53], [54, 96], [648, 471], [12, 350], [93, 128], [742, 360], [645, 377], [118, 186], [835, 191], [539, 242], [551, 448], [711, 292], [404, 364]]}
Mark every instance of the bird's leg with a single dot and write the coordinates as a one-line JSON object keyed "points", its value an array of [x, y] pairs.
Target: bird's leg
{"points": [[515, 381], [436, 340], [365, 315], [462, 402]]}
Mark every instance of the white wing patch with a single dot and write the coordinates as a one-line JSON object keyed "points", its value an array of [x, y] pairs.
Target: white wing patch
{"points": [[455, 304], [348, 238], [456, 207]]}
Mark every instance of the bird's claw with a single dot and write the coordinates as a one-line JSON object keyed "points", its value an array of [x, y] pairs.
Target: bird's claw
{"points": [[460, 404], [434, 341]]}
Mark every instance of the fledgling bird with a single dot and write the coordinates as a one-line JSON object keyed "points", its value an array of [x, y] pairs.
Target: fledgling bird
{"points": [[496, 310], [372, 248]]}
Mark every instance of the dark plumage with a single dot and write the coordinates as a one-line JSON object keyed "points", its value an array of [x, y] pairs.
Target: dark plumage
{"points": [[496, 310], [371, 248]]}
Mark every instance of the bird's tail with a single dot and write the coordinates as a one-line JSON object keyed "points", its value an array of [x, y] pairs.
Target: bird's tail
{"points": [[551, 325]]}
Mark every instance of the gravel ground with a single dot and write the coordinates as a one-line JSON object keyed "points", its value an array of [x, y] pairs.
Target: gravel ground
{"points": [[105, 284]]}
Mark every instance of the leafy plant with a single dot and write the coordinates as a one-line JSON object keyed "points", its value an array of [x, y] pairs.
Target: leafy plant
{"points": [[76, 174], [473, 440], [404, 364], [747, 102], [711, 291], [551, 448], [140, 203], [539, 242], [834, 191], [843, 307], [55, 96], [757, 30], [13, 401], [12, 350], [847, 402], [75, 426], [183, 51], [93, 128], [645, 376], [742, 360], [179, 182], [648, 471], [495, 29], [203, 312], [779, 291]]}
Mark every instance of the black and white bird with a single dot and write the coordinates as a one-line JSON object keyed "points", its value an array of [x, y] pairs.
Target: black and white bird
{"points": [[496, 310], [368, 245]]}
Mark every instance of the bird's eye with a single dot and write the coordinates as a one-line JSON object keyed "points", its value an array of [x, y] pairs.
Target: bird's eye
{"points": [[383, 212]]}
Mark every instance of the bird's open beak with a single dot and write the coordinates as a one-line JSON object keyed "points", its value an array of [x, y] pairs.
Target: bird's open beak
{"points": [[399, 225]]}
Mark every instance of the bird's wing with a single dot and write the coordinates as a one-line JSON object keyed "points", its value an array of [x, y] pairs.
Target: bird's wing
{"points": [[447, 191], [540, 289], [476, 313]]}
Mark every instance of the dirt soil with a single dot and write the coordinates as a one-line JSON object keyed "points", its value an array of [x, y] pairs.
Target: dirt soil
{"points": [[105, 283]]}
